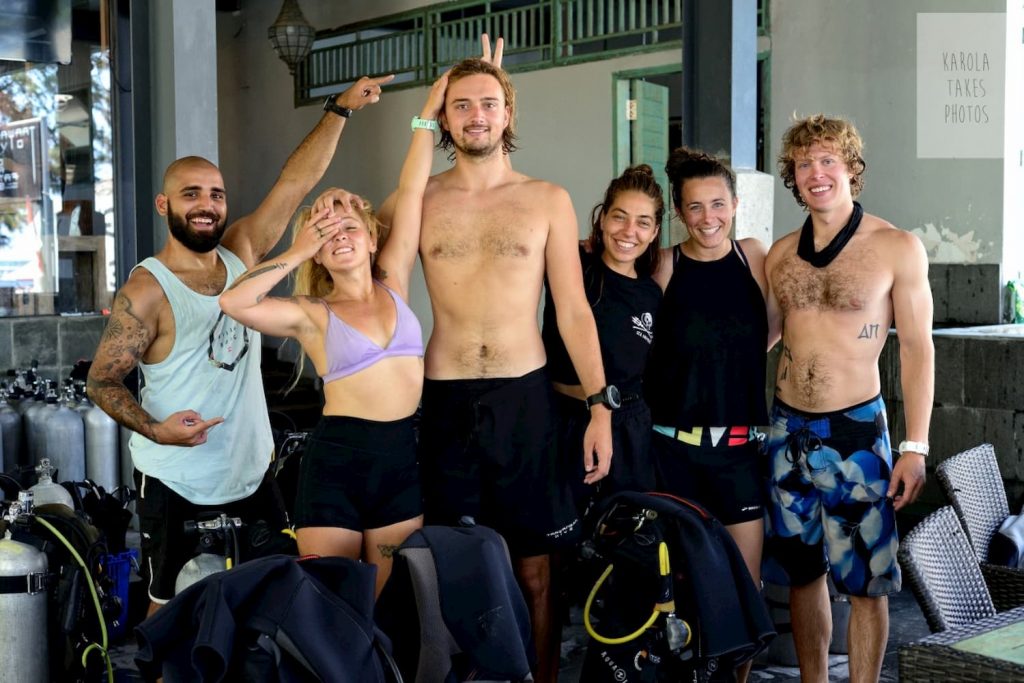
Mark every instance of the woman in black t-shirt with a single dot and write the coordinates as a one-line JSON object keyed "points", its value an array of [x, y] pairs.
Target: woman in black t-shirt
{"points": [[618, 260]]}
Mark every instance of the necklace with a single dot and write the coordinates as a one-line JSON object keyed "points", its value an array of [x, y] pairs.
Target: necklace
{"points": [[820, 259]]}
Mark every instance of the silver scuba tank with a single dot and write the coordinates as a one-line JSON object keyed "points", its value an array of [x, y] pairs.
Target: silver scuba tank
{"points": [[64, 440], [197, 569], [47, 491], [218, 538], [25, 655], [127, 468], [101, 445], [10, 433], [32, 419]]}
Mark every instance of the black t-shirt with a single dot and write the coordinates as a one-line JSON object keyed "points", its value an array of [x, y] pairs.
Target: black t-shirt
{"points": [[624, 310], [707, 366]]}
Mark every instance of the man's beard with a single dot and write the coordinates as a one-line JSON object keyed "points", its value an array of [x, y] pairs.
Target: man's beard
{"points": [[479, 150], [200, 243]]}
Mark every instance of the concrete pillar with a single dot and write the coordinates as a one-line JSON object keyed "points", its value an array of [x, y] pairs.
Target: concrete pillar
{"points": [[720, 65], [183, 82], [720, 61], [755, 212]]}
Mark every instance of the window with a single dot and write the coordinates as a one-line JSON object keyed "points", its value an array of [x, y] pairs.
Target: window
{"points": [[56, 163]]}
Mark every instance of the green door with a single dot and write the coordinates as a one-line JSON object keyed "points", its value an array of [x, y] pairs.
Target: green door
{"points": [[642, 133]]}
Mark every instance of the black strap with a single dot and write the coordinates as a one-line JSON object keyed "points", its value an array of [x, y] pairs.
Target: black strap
{"points": [[739, 252], [26, 583], [820, 259]]}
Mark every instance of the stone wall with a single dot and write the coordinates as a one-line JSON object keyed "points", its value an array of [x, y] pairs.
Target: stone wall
{"points": [[57, 342], [979, 398]]}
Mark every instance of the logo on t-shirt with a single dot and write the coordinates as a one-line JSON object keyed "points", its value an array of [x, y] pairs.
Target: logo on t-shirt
{"points": [[228, 343], [643, 325]]}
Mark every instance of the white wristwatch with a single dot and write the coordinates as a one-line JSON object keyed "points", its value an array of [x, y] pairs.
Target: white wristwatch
{"points": [[913, 447]]}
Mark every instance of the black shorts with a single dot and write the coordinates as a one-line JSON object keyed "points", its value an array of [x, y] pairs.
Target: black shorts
{"points": [[358, 474], [726, 478], [632, 468], [162, 516], [489, 450]]}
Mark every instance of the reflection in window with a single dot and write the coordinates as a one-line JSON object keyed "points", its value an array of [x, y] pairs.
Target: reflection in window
{"points": [[56, 181]]}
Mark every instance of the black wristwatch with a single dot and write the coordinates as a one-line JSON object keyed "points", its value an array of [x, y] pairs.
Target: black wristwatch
{"points": [[608, 396], [331, 105]]}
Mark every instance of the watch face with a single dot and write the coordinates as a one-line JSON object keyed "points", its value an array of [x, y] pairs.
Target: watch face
{"points": [[612, 396]]}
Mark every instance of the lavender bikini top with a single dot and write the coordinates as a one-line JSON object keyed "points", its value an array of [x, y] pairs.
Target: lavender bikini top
{"points": [[349, 350]]}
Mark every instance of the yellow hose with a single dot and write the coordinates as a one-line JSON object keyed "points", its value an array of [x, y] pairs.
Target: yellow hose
{"points": [[621, 639], [102, 647]]}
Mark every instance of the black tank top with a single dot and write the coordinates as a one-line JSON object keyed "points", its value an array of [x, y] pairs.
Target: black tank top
{"points": [[707, 364], [624, 310]]}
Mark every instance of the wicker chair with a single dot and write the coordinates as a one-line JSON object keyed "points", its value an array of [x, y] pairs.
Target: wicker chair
{"points": [[943, 573], [973, 484]]}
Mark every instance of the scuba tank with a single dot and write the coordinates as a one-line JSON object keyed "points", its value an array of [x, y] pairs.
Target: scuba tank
{"points": [[46, 492], [23, 604], [218, 537], [64, 439], [101, 445], [10, 427], [127, 467], [32, 418]]}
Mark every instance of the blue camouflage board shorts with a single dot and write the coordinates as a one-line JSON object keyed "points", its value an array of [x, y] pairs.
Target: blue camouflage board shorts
{"points": [[828, 510]]}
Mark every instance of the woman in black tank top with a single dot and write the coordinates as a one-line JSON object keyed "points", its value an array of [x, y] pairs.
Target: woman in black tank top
{"points": [[705, 379], [618, 261]]}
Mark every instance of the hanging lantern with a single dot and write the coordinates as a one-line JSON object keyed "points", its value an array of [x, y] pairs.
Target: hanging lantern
{"points": [[291, 35]]}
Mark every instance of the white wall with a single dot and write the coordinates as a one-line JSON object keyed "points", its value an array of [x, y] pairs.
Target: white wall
{"points": [[858, 60], [564, 119]]}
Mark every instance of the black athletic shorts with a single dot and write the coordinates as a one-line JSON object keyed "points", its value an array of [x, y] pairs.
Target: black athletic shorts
{"points": [[632, 468], [489, 450], [725, 477], [358, 474], [162, 516]]}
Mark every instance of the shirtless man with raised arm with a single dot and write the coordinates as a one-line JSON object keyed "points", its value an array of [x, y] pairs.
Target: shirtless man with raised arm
{"points": [[839, 283], [202, 369], [488, 445]]}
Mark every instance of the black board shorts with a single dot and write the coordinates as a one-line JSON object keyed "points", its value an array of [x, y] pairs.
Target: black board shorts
{"points": [[358, 474], [489, 451]]}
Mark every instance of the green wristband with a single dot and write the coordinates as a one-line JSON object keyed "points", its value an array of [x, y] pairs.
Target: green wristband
{"points": [[428, 124]]}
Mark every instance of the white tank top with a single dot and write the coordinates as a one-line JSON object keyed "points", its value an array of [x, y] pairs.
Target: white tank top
{"points": [[214, 369]]}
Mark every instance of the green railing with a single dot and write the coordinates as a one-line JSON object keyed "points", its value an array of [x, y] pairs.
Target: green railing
{"points": [[417, 45]]}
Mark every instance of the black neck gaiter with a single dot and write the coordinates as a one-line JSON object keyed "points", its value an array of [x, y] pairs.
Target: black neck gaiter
{"points": [[820, 259]]}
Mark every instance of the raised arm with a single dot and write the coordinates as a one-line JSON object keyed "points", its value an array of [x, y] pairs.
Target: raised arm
{"points": [[132, 327], [253, 236], [577, 328], [399, 254], [248, 300], [912, 310]]}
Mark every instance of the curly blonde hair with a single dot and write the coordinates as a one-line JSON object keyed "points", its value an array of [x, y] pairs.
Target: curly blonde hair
{"points": [[837, 133]]}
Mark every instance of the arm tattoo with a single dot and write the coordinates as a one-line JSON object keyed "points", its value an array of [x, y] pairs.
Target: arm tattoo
{"points": [[869, 331], [256, 273], [121, 347]]}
